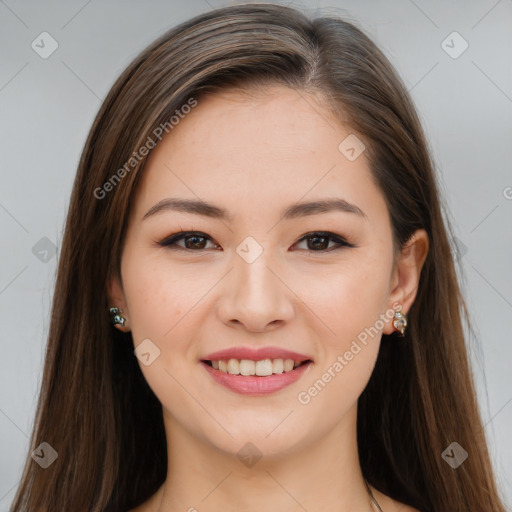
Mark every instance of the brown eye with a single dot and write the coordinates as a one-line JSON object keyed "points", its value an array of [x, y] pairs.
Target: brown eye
{"points": [[192, 241], [319, 242]]}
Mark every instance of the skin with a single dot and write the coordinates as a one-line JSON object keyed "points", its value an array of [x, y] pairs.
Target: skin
{"points": [[255, 154]]}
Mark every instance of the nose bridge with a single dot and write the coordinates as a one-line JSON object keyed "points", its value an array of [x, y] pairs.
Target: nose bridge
{"points": [[253, 279], [254, 295]]}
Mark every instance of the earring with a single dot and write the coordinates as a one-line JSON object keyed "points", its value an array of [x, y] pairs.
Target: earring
{"points": [[117, 319], [399, 323]]}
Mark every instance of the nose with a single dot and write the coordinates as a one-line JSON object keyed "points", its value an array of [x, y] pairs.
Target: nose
{"points": [[255, 296]]}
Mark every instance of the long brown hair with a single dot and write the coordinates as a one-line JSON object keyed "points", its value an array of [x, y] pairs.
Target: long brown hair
{"points": [[95, 408]]}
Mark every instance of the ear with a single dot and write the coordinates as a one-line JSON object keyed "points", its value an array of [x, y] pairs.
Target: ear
{"points": [[116, 299], [406, 275]]}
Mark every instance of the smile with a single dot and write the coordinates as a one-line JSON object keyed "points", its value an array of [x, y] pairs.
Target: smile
{"points": [[256, 378], [262, 368]]}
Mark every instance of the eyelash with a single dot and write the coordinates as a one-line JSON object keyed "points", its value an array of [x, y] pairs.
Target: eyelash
{"points": [[170, 241]]}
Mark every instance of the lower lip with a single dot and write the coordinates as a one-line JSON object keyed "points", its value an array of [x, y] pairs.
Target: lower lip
{"points": [[254, 385]]}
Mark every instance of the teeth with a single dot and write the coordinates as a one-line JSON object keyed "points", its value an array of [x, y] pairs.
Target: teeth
{"points": [[278, 366], [288, 365], [233, 367], [264, 368], [247, 367], [261, 368]]}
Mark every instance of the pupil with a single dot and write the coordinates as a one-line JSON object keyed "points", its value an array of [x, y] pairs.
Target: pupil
{"points": [[195, 244], [322, 245], [200, 245]]}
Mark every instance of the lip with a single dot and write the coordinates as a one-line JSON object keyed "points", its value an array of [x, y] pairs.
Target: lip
{"points": [[255, 354], [255, 385]]}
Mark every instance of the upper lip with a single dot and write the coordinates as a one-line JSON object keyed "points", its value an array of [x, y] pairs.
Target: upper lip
{"points": [[255, 354]]}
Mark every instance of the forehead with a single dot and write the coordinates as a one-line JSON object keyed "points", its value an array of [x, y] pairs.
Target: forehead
{"points": [[257, 148], [272, 120]]}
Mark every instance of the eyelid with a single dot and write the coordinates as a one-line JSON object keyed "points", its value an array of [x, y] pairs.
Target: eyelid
{"points": [[328, 234], [170, 241]]}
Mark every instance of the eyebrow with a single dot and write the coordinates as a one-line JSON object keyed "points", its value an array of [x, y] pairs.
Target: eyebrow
{"points": [[199, 207]]}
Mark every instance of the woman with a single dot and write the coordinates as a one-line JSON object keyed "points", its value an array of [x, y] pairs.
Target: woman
{"points": [[257, 210]]}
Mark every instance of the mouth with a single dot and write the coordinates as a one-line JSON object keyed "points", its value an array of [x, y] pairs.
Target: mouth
{"points": [[255, 368], [256, 377]]}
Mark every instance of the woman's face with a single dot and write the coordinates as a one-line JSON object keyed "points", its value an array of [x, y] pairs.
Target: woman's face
{"points": [[251, 279]]}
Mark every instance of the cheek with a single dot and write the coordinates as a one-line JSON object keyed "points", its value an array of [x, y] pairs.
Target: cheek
{"points": [[158, 295], [161, 303], [348, 299], [350, 303], [165, 303]]}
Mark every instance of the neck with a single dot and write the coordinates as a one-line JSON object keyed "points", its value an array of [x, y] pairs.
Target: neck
{"points": [[311, 477]]}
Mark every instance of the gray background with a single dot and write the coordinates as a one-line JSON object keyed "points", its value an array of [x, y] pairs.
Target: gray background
{"points": [[48, 105]]}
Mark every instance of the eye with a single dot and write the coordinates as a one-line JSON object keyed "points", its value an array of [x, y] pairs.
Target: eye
{"points": [[193, 240], [317, 241]]}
